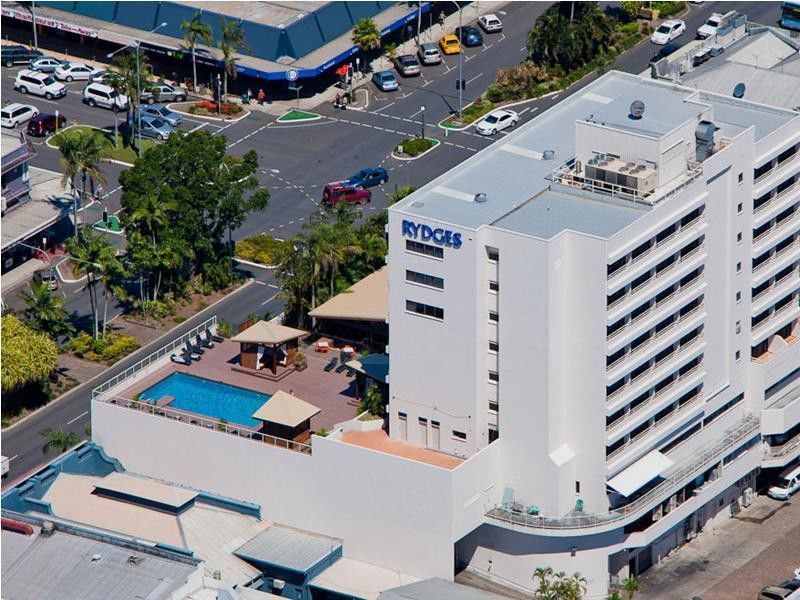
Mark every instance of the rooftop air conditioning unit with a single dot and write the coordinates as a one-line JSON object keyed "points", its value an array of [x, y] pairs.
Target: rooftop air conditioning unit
{"points": [[278, 584], [747, 497], [48, 528]]}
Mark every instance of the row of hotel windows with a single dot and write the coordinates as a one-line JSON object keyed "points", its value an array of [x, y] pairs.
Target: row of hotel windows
{"points": [[770, 164], [654, 241], [459, 435], [776, 191], [704, 423]]}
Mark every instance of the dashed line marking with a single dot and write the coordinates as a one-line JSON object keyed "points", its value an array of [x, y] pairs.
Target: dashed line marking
{"points": [[377, 110], [80, 416], [474, 78]]}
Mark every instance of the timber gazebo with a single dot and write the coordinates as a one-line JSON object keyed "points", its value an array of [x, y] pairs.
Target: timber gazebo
{"points": [[268, 345], [286, 416]]}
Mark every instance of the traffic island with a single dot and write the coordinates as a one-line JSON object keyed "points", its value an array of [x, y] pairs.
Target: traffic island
{"points": [[119, 152], [414, 148], [294, 115], [111, 225], [469, 114]]}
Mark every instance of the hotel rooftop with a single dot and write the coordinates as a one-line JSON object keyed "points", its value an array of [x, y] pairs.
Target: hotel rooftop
{"points": [[541, 148]]}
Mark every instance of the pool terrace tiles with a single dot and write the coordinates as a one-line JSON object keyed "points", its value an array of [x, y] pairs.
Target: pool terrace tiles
{"points": [[333, 393]]}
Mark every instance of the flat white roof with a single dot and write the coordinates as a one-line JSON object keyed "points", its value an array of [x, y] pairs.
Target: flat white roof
{"points": [[145, 489], [641, 472], [360, 579]]}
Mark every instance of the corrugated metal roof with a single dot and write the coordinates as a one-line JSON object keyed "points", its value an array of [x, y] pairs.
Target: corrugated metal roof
{"points": [[289, 548], [62, 566]]}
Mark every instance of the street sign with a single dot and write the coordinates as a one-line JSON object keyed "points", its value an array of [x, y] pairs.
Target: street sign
{"points": [[292, 75]]}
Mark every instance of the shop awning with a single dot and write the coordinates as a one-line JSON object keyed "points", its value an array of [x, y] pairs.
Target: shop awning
{"points": [[366, 300], [641, 472]]}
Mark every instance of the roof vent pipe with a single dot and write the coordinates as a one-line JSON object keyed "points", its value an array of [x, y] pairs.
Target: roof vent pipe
{"points": [[549, 154], [481, 198]]}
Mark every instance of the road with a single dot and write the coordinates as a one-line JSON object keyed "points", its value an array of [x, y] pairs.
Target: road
{"points": [[298, 159]]}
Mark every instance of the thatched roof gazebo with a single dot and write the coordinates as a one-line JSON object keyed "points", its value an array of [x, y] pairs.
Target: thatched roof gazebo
{"points": [[267, 344]]}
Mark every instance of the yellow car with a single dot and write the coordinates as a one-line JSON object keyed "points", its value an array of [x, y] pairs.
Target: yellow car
{"points": [[450, 44]]}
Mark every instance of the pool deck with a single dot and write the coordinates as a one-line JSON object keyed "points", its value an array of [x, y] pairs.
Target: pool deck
{"points": [[333, 393]]}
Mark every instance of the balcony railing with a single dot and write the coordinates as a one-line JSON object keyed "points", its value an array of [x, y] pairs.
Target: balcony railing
{"points": [[645, 346], [193, 420], [775, 285], [783, 450], [657, 246], [680, 292], [679, 475], [776, 229], [776, 168], [792, 305], [778, 256], [782, 194]]}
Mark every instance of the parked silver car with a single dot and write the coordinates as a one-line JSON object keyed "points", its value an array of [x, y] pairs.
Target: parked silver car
{"points": [[159, 111], [165, 93], [155, 128], [429, 54], [407, 65], [46, 64]]}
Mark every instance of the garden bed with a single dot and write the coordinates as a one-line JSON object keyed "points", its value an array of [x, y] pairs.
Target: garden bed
{"points": [[469, 114], [208, 108], [415, 147], [122, 152], [260, 249]]}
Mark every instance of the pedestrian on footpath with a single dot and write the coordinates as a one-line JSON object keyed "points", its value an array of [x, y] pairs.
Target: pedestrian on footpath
{"points": [[441, 19], [261, 96]]}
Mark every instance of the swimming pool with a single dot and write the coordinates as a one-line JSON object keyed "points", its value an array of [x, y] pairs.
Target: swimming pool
{"points": [[210, 398]]}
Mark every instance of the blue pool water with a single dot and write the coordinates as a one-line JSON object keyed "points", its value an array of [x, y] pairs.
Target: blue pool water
{"points": [[209, 398]]}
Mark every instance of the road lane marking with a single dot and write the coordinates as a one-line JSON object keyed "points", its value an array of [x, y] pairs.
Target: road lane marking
{"points": [[257, 282], [80, 416], [523, 111], [474, 78], [377, 110], [271, 298], [198, 127], [415, 114]]}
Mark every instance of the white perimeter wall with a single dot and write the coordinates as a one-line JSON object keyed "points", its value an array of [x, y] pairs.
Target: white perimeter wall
{"points": [[389, 511]]}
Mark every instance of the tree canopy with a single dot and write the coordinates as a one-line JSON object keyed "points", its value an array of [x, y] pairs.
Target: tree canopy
{"points": [[180, 201], [366, 34], [27, 356]]}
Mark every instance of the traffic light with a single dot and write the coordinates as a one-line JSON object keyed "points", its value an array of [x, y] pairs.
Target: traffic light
{"points": [[461, 84]]}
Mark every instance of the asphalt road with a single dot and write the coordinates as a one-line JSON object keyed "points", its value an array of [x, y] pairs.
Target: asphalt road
{"points": [[296, 160]]}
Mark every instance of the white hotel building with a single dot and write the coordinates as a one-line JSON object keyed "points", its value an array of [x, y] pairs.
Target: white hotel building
{"points": [[599, 313]]}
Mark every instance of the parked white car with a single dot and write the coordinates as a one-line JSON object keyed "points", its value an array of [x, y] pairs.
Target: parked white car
{"points": [[787, 484], [668, 31], [98, 94], [497, 120], [75, 72], [490, 23], [16, 113], [41, 84]]}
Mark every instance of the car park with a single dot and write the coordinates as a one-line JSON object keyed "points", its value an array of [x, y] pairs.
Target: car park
{"points": [[45, 64], [469, 36], [407, 65], [47, 276], [369, 177], [490, 23], [103, 76], [787, 484], [16, 55], [161, 92], [40, 84], [155, 128], [342, 191], [497, 121], [16, 114], [46, 123], [98, 94], [74, 72], [450, 44], [429, 54], [159, 111], [386, 81], [668, 31]]}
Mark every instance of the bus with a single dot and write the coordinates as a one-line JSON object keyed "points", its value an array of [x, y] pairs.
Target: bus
{"points": [[790, 15]]}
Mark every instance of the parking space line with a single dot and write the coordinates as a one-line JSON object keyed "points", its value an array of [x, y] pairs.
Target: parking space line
{"points": [[198, 127], [474, 78], [377, 110]]}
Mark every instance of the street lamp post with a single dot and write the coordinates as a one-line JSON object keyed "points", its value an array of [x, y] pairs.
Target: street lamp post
{"points": [[33, 20], [460, 82], [138, 115], [422, 110]]}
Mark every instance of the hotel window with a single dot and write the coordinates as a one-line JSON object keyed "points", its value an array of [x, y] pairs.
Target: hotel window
{"points": [[738, 355], [739, 238], [494, 346], [493, 406], [739, 208], [424, 309], [424, 279], [493, 316], [424, 249], [738, 267], [492, 254], [738, 296], [493, 434], [494, 376], [494, 286], [741, 177], [459, 435], [738, 327]]}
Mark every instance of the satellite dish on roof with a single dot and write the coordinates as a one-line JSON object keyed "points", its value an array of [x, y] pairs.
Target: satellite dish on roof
{"points": [[637, 109], [738, 91]]}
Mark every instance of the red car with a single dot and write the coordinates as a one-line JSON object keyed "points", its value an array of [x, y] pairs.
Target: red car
{"points": [[343, 192], [45, 123]]}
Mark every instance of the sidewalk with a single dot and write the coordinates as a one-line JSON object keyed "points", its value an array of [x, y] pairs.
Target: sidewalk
{"points": [[759, 547], [21, 274]]}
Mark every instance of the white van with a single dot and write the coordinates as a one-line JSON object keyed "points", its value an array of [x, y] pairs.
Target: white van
{"points": [[41, 84], [786, 485]]}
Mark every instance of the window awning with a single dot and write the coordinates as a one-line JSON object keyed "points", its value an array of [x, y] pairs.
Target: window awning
{"points": [[640, 473]]}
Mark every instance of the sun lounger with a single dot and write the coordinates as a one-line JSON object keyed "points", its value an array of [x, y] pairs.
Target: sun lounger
{"points": [[193, 351], [331, 364], [350, 372], [194, 348], [214, 338], [204, 342], [178, 358], [341, 368]]}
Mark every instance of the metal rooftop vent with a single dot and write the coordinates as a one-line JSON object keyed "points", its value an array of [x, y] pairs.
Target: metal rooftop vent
{"points": [[417, 204], [636, 109], [481, 197], [738, 90], [549, 154]]}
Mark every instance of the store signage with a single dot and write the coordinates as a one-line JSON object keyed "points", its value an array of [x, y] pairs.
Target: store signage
{"points": [[438, 235], [71, 28]]}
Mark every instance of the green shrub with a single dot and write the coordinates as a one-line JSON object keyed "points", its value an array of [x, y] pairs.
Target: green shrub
{"points": [[179, 319], [668, 9], [629, 28], [224, 329], [415, 146], [110, 349], [495, 93], [260, 249]]}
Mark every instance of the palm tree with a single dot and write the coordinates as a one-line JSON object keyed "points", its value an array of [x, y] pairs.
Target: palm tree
{"points": [[45, 311], [97, 259], [366, 35], [195, 30], [117, 83], [82, 153], [126, 64], [149, 220], [232, 40], [631, 585], [59, 440]]}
